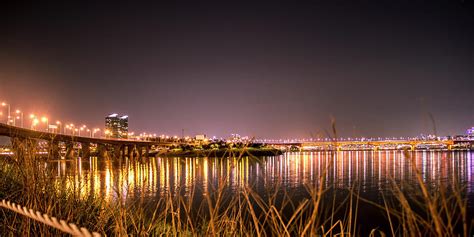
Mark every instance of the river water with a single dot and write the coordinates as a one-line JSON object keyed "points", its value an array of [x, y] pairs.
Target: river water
{"points": [[371, 172]]}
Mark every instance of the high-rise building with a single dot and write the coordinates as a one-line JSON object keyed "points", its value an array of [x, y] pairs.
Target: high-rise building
{"points": [[116, 126]]}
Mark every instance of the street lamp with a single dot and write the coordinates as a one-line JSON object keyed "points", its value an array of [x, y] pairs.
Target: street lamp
{"points": [[34, 123], [45, 120], [71, 126], [58, 123], [18, 112], [82, 129], [94, 131], [8, 117]]}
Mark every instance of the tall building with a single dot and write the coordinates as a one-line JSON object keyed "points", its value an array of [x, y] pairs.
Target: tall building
{"points": [[116, 126]]}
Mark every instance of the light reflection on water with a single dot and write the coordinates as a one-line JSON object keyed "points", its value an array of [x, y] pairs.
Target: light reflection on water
{"points": [[155, 177]]}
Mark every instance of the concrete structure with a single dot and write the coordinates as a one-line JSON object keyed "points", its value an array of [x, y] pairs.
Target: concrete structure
{"points": [[25, 140], [366, 145]]}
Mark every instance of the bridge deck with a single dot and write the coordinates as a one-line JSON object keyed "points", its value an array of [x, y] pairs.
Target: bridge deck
{"points": [[12, 131]]}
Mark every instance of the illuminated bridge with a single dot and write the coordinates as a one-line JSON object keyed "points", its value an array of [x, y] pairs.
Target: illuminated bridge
{"points": [[374, 145], [25, 139]]}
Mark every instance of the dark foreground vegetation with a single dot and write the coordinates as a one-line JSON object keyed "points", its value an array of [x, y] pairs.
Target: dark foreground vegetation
{"points": [[422, 212]]}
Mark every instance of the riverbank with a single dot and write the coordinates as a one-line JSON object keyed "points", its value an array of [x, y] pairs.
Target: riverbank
{"points": [[221, 152]]}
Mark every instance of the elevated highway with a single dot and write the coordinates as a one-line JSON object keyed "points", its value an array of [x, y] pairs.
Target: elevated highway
{"points": [[128, 147]]}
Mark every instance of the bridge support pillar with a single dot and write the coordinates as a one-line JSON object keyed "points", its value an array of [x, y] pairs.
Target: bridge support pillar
{"points": [[147, 151], [53, 150], [129, 151], [412, 147], [117, 151], [102, 150], [139, 151], [86, 149], [123, 152], [69, 150]]}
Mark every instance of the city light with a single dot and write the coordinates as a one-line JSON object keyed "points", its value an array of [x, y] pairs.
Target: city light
{"points": [[45, 120], [58, 123], [34, 121], [19, 116], [94, 131], [59, 128], [8, 115]]}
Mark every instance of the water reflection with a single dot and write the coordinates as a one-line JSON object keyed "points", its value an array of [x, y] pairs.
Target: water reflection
{"points": [[155, 177]]}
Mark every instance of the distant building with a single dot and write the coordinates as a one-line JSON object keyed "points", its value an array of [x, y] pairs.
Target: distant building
{"points": [[470, 131], [116, 126], [200, 137]]}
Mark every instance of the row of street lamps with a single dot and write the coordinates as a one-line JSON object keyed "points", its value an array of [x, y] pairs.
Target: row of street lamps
{"points": [[58, 127]]}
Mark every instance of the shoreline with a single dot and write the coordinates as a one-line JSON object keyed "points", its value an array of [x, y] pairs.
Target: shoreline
{"points": [[237, 152]]}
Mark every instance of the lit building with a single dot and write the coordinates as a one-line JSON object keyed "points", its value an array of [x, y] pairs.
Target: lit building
{"points": [[470, 131], [201, 137], [116, 126]]}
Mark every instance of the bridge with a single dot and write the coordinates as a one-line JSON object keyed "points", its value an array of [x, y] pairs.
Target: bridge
{"points": [[375, 145], [23, 139]]}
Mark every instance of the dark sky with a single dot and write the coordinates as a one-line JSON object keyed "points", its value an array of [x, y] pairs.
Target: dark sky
{"points": [[380, 68]]}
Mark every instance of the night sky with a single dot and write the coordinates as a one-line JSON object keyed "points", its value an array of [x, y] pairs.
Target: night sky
{"points": [[379, 68]]}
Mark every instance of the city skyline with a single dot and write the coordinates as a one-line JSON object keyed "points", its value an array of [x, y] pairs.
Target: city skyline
{"points": [[116, 127], [263, 70]]}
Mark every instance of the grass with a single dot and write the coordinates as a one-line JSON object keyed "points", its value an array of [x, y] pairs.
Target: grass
{"points": [[416, 210]]}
